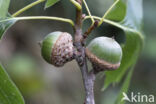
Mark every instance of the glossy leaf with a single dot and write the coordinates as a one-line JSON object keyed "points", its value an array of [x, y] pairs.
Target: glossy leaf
{"points": [[9, 94], [132, 26], [4, 5], [50, 3], [118, 12]]}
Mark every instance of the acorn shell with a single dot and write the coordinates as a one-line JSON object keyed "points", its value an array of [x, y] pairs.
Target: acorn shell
{"points": [[104, 53], [57, 48]]}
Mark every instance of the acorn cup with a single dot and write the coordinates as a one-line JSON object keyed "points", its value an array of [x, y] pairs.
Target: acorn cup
{"points": [[57, 48], [104, 53]]}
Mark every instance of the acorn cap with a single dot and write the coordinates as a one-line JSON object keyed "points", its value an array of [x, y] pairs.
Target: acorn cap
{"points": [[104, 53], [57, 48]]}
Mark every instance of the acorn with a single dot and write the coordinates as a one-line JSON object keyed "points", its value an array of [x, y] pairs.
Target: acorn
{"points": [[104, 53], [57, 48]]}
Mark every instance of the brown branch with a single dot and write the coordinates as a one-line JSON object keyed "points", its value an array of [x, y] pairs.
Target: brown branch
{"points": [[90, 29], [88, 78]]}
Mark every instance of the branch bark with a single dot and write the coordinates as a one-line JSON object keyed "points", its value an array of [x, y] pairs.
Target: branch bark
{"points": [[88, 77], [90, 29]]}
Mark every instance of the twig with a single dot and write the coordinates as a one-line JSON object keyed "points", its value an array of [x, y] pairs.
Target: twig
{"points": [[88, 78], [90, 29]]}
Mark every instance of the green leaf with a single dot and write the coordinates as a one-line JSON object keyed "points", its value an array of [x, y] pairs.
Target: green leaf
{"points": [[132, 26], [9, 94], [50, 3], [125, 87], [118, 12], [5, 25], [4, 5]]}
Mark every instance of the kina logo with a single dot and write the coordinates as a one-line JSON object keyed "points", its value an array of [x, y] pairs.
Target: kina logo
{"points": [[138, 97]]}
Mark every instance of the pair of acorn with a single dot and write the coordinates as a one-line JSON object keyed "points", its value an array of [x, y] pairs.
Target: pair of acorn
{"points": [[103, 52]]}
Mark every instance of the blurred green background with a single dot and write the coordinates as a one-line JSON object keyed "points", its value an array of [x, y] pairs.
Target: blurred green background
{"points": [[41, 83]]}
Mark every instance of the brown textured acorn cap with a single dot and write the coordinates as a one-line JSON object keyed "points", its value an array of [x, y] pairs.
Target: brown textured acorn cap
{"points": [[100, 65], [63, 50], [57, 48], [104, 53]]}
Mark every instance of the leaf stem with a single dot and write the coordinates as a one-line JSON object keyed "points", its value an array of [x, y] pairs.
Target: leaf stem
{"points": [[110, 8], [89, 30], [92, 19], [106, 21], [27, 7], [41, 17], [116, 24], [77, 5]]}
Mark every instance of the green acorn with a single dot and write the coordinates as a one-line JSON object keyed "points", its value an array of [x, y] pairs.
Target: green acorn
{"points": [[104, 53], [57, 48]]}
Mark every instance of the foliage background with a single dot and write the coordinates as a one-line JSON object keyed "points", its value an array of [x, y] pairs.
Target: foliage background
{"points": [[42, 83]]}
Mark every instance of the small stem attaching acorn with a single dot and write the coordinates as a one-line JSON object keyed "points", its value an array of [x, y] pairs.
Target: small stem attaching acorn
{"points": [[57, 48], [104, 53]]}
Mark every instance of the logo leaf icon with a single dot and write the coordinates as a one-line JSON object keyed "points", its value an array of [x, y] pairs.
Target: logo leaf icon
{"points": [[125, 97]]}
